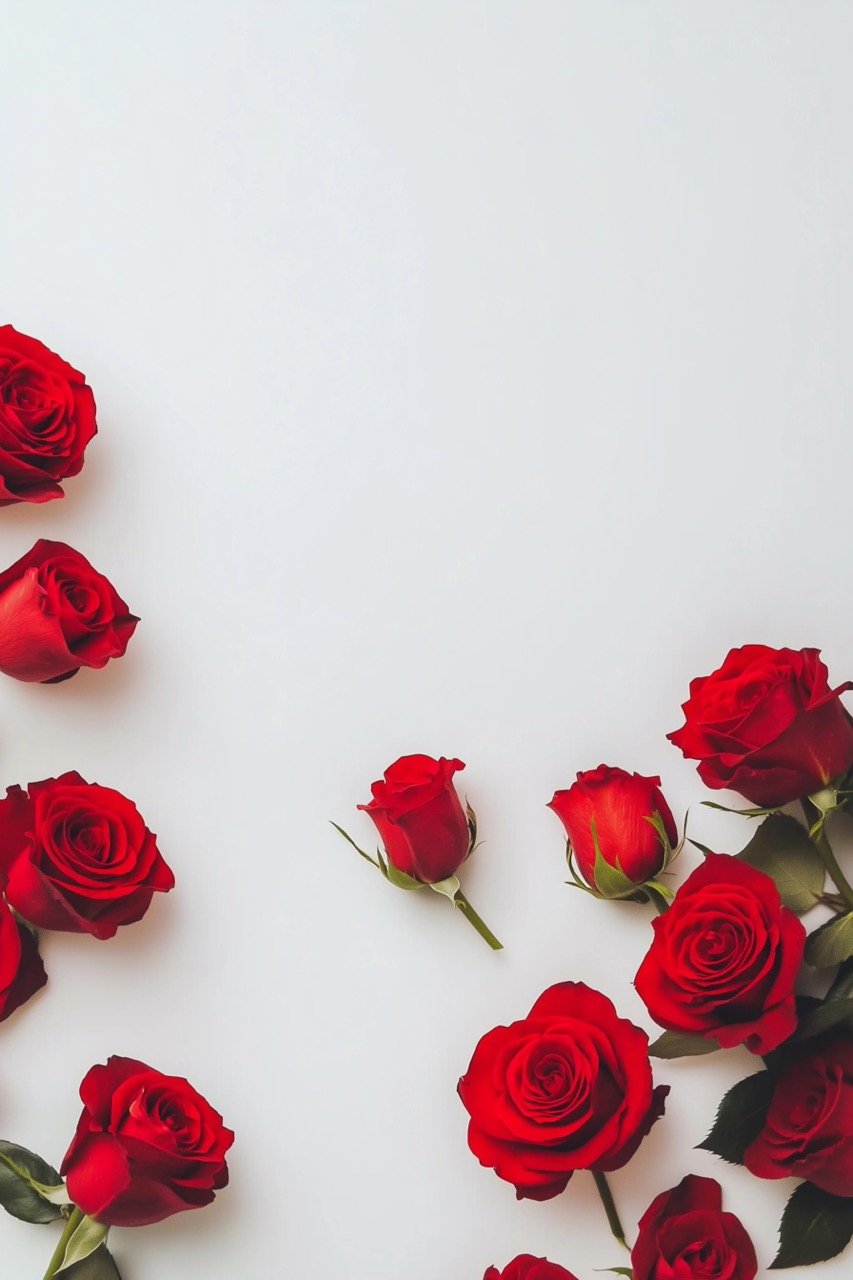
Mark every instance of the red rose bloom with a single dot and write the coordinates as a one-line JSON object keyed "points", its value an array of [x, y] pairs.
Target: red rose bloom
{"points": [[615, 809], [47, 417], [808, 1128], [768, 725], [58, 614], [420, 818], [78, 857], [684, 1235], [526, 1267], [725, 958], [147, 1146], [21, 970], [569, 1087]]}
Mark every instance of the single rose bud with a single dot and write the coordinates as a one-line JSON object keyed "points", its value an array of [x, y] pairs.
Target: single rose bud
{"points": [[620, 828], [58, 614], [684, 1232], [526, 1267]]}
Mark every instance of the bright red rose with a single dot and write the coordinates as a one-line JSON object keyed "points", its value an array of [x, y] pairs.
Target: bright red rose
{"points": [[58, 614], [147, 1146], [768, 725], [569, 1087], [47, 417], [420, 818], [21, 970], [618, 811], [808, 1128], [684, 1235], [78, 857], [526, 1267], [725, 958]]}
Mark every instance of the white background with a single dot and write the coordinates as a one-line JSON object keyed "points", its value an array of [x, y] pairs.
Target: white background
{"points": [[470, 376]]}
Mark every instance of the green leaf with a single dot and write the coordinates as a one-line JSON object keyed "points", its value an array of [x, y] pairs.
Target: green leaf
{"points": [[99, 1265], [25, 1183], [815, 1226], [681, 1044], [88, 1237], [824, 1016], [740, 1117], [781, 848], [831, 944]]}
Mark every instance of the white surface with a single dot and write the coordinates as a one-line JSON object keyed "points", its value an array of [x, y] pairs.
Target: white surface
{"points": [[470, 375]]}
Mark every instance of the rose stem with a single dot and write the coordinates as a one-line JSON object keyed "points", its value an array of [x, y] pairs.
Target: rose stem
{"points": [[657, 900], [828, 858], [59, 1253], [460, 901], [610, 1207]]}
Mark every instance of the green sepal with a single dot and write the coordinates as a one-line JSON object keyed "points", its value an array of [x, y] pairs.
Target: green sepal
{"points": [[99, 1265], [398, 878], [350, 840], [616, 1271], [447, 888], [740, 1117], [815, 1226], [88, 1236], [681, 1044], [781, 848], [743, 813], [30, 1188], [831, 944]]}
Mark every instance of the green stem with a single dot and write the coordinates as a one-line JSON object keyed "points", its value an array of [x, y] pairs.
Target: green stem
{"points": [[828, 858], [460, 901], [610, 1209], [59, 1252], [657, 900]]}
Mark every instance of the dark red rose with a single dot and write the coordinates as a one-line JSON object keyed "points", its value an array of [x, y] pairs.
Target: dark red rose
{"points": [[618, 812], [420, 818], [768, 725], [78, 857], [808, 1128], [47, 417], [147, 1146], [21, 970], [569, 1087], [58, 614], [526, 1267], [725, 958], [684, 1235]]}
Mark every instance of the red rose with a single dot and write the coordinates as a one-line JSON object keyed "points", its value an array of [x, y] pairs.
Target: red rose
{"points": [[618, 812], [58, 614], [569, 1087], [420, 818], [47, 417], [684, 1235], [147, 1146], [21, 970], [808, 1128], [768, 725], [725, 958], [526, 1267], [78, 857]]}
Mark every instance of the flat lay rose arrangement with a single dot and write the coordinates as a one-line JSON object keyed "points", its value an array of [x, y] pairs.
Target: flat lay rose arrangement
{"points": [[77, 856]]}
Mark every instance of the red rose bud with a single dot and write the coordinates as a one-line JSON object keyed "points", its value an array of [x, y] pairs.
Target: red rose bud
{"points": [[526, 1267], [768, 725], [58, 614], [21, 970], [725, 959], [568, 1087], [620, 828], [47, 417], [78, 857], [684, 1233], [808, 1128], [147, 1146]]}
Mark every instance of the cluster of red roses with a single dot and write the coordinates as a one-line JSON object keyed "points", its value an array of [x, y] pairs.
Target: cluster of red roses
{"points": [[78, 857], [570, 1087]]}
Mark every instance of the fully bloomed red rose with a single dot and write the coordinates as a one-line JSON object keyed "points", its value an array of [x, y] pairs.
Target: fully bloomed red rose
{"points": [[147, 1146], [47, 417], [526, 1267], [569, 1087], [58, 614], [78, 857], [21, 970], [420, 818], [767, 724], [617, 812], [725, 958], [684, 1235], [808, 1128]]}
